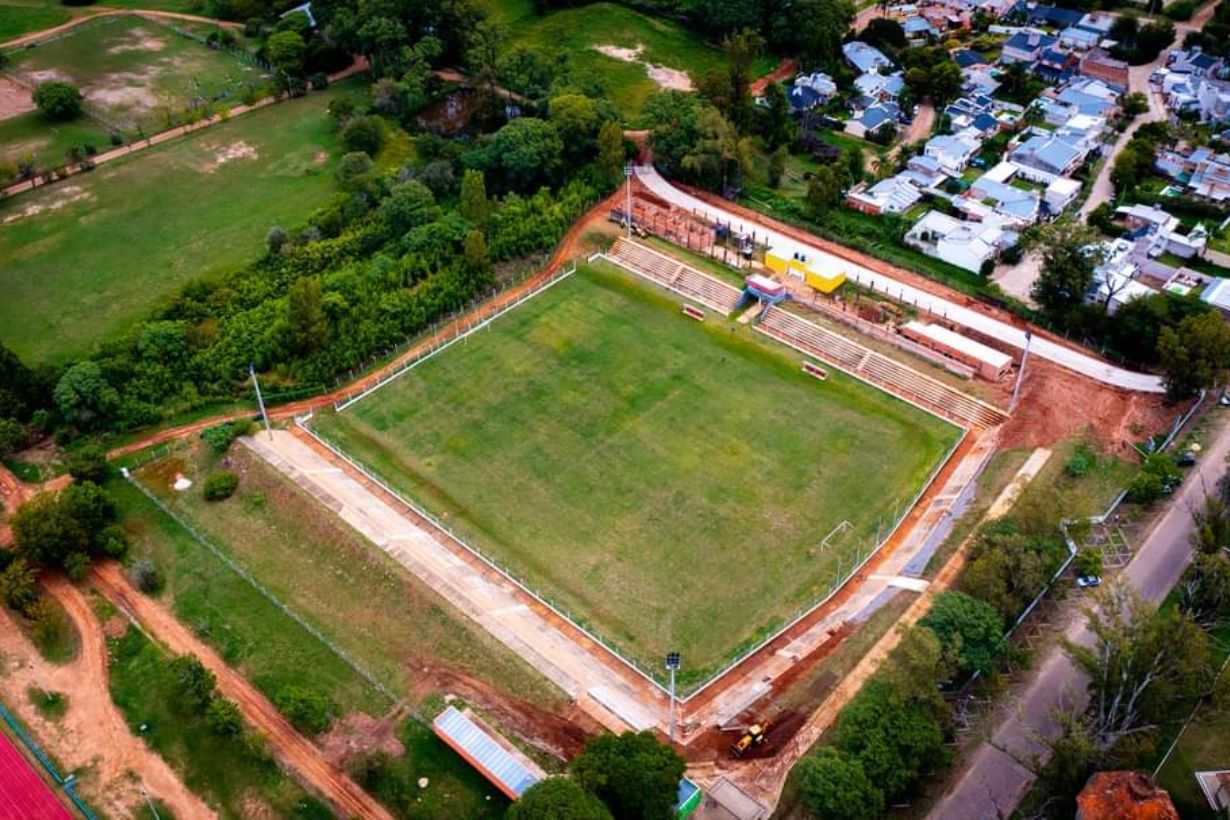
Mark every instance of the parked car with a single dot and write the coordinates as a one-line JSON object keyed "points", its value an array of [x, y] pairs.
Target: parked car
{"points": [[1085, 581], [1225, 399], [1187, 459]]}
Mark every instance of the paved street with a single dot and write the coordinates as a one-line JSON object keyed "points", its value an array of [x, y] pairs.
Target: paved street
{"points": [[1068, 357], [995, 780]]}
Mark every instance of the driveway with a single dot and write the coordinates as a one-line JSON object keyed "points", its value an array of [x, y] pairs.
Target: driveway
{"points": [[996, 777]]}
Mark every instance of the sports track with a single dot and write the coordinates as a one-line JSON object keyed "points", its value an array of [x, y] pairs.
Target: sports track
{"points": [[23, 794]]}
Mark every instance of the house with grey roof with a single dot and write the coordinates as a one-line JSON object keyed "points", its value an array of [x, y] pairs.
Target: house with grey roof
{"points": [[880, 87], [989, 196], [1045, 157], [953, 151], [873, 118], [1026, 47], [968, 245], [894, 195], [866, 58]]}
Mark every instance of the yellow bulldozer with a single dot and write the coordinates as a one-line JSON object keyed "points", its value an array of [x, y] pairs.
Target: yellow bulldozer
{"points": [[754, 735]]}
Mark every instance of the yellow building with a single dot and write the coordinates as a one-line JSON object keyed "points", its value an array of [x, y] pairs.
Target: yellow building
{"points": [[820, 274]]}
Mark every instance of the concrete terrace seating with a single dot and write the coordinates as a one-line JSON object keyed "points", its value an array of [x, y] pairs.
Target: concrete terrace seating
{"points": [[887, 373], [674, 275]]}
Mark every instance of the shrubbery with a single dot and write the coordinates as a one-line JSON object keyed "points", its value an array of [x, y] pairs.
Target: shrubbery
{"points": [[58, 101], [310, 712], [221, 485]]}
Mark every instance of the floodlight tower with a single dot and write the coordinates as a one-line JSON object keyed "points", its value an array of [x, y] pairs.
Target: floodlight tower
{"points": [[628, 192], [1020, 375], [260, 402], [672, 666]]}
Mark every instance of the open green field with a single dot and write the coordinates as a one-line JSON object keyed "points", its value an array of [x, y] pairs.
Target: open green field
{"points": [[327, 573], [85, 257], [31, 136], [667, 482], [580, 31], [138, 72], [17, 19]]}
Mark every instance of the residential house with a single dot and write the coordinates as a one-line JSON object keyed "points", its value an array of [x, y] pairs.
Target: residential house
{"points": [[1213, 99], [1059, 194], [925, 173], [1179, 91], [876, 88], [1046, 157], [1056, 66], [990, 196], [1129, 271], [1098, 63], [1163, 231], [1193, 62], [1216, 292], [894, 195], [1081, 39], [953, 152], [919, 28], [1053, 16], [1090, 96], [968, 245], [967, 58], [979, 80], [811, 90], [964, 111], [1026, 47], [1210, 178], [864, 57], [873, 119]]}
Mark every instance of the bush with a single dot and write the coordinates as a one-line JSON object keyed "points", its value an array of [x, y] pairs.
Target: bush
{"points": [[147, 577], [223, 717], [58, 101], [90, 464], [77, 565], [221, 437], [1157, 477], [319, 81], [310, 712], [1181, 10], [1081, 462], [221, 485], [12, 436], [1089, 562], [364, 134]]}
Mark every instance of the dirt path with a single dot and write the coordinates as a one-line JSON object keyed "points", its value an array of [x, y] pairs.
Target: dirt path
{"points": [[297, 754], [92, 738], [920, 128], [784, 71]]}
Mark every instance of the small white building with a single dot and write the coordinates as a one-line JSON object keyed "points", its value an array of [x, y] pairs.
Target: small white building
{"points": [[1061, 193], [967, 245], [953, 152]]}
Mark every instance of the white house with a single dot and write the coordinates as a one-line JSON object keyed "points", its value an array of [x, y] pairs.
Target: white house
{"points": [[894, 195], [864, 57], [953, 152], [1061, 193], [967, 245]]}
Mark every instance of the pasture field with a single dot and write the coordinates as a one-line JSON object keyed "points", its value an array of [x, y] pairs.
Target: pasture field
{"points": [[138, 73], [581, 31], [668, 483], [85, 257], [29, 135], [17, 19], [327, 573]]}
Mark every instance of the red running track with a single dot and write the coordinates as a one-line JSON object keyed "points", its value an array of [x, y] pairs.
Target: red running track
{"points": [[23, 794]]}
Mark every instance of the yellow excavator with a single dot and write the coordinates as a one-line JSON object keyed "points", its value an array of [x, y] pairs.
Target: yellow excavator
{"points": [[754, 735]]}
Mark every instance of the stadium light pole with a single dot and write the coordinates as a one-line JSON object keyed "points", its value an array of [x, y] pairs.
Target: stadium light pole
{"points": [[672, 666], [628, 193], [1020, 374], [260, 402]]}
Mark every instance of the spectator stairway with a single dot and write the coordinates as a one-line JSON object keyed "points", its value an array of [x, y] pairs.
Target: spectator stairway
{"points": [[674, 275]]}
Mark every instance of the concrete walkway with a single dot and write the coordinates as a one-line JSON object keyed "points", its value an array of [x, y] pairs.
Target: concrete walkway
{"points": [[489, 600], [1071, 358]]}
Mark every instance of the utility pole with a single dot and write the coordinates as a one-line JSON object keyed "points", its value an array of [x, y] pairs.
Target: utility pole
{"points": [[259, 400], [1020, 374], [628, 206], [672, 665]]}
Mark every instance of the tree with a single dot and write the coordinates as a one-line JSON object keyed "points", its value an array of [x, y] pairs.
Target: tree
{"points": [[529, 152], [84, 396], [364, 134], [1068, 261], [575, 118], [811, 29], [557, 798], [719, 157], [1144, 667], [885, 34], [1204, 590], [19, 388], [895, 740], [309, 711], [634, 774], [970, 628], [19, 586], [728, 87], [1006, 569], [778, 120], [611, 152], [1194, 355], [196, 684], [309, 325], [407, 206], [777, 166], [287, 52], [58, 101], [835, 786], [823, 192], [474, 207], [474, 253], [13, 436], [224, 718], [89, 464]]}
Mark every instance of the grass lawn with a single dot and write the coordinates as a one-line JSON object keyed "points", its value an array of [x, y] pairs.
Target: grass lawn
{"points": [[228, 773], [138, 72], [16, 20], [579, 31], [87, 256], [668, 482], [327, 573], [31, 136]]}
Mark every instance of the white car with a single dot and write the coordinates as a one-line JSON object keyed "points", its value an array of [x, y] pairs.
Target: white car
{"points": [[1084, 581]]}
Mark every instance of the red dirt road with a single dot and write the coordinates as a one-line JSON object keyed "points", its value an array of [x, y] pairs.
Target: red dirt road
{"points": [[295, 752], [23, 794]]}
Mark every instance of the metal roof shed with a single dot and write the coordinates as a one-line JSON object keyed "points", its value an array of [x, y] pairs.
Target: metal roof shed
{"points": [[484, 752]]}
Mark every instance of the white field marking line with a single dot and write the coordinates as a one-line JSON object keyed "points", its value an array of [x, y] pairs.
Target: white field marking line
{"points": [[461, 335]]}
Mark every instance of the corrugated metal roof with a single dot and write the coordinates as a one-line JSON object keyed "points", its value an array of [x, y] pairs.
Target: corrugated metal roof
{"points": [[483, 752]]}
